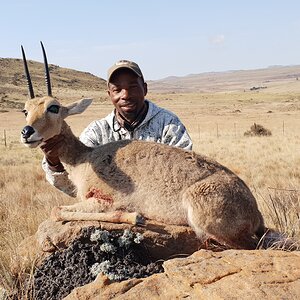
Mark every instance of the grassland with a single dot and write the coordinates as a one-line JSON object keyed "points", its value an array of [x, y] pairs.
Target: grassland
{"points": [[216, 123]]}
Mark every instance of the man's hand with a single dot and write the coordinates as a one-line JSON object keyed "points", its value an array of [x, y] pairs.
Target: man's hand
{"points": [[51, 149]]}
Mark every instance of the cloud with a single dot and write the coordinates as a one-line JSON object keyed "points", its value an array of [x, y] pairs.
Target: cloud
{"points": [[218, 39]]}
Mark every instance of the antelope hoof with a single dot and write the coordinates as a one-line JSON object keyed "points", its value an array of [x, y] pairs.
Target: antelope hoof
{"points": [[140, 220]]}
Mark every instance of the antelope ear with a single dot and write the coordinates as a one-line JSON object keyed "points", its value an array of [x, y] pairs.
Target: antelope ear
{"points": [[77, 107]]}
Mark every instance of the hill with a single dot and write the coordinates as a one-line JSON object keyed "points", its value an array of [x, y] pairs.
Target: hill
{"points": [[66, 83], [69, 85], [274, 79]]}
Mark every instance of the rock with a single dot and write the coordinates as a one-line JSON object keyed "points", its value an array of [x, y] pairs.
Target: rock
{"points": [[231, 274], [162, 241], [102, 286], [119, 255], [206, 274]]}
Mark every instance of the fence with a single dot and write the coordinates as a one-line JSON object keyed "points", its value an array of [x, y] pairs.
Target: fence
{"points": [[217, 130]]}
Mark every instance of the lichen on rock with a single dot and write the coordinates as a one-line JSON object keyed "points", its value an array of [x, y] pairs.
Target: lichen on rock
{"points": [[120, 255]]}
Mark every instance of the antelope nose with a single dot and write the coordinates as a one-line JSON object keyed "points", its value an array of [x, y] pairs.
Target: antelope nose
{"points": [[27, 132]]}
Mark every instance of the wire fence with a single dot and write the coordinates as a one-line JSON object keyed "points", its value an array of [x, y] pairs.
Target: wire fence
{"points": [[219, 130], [216, 130]]}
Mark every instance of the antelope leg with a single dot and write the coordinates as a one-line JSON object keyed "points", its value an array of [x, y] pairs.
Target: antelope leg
{"points": [[134, 218]]}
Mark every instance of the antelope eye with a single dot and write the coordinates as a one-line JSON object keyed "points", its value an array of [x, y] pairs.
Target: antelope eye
{"points": [[53, 108], [25, 112]]}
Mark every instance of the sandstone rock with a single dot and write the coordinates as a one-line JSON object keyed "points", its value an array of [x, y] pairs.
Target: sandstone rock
{"points": [[162, 241], [231, 274], [206, 274]]}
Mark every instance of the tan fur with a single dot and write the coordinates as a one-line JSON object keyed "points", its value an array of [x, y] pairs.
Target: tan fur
{"points": [[160, 182]]}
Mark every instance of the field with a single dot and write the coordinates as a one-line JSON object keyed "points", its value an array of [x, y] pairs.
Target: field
{"points": [[270, 165]]}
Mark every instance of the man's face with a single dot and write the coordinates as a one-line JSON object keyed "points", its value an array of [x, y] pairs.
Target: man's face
{"points": [[127, 92]]}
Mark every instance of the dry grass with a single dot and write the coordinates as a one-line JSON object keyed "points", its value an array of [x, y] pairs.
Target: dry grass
{"points": [[25, 198], [269, 165]]}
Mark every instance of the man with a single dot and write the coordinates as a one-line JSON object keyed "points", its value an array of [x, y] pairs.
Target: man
{"points": [[134, 117]]}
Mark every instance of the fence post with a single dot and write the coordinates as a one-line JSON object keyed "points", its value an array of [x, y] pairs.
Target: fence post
{"points": [[4, 137], [235, 130]]}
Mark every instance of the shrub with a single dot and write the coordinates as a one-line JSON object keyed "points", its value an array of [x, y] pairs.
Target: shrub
{"points": [[257, 130]]}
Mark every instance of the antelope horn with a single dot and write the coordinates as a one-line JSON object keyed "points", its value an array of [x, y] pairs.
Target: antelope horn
{"points": [[29, 83], [47, 74]]}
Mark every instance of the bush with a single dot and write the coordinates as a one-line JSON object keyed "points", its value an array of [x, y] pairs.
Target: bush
{"points": [[257, 130]]}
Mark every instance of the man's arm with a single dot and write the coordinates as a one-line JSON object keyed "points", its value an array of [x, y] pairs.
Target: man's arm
{"points": [[59, 179], [56, 175], [175, 134], [54, 169]]}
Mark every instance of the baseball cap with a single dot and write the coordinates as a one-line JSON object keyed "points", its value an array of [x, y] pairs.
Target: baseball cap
{"points": [[126, 64]]}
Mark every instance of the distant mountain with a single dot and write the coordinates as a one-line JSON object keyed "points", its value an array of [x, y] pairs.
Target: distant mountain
{"points": [[68, 84], [274, 78]]}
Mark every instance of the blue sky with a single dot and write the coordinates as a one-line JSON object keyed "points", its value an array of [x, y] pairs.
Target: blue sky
{"points": [[165, 37]]}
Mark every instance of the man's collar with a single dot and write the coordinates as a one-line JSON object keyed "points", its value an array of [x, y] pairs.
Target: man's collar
{"points": [[153, 110], [130, 126]]}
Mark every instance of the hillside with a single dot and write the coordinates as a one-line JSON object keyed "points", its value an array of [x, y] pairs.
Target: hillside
{"points": [[66, 84], [70, 85], [274, 79]]}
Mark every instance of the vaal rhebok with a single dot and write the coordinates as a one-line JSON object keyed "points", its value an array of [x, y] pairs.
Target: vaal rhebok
{"points": [[120, 181]]}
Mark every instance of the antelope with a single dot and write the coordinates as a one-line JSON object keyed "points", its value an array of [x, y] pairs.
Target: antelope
{"points": [[132, 181]]}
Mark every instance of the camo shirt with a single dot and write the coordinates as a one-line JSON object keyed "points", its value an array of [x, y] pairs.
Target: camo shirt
{"points": [[159, 125]]}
